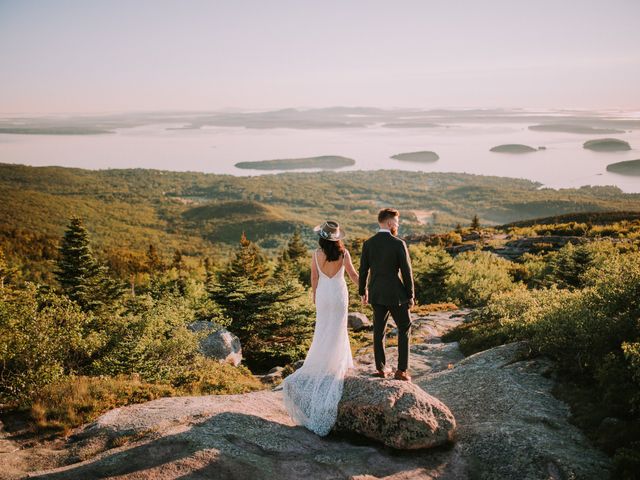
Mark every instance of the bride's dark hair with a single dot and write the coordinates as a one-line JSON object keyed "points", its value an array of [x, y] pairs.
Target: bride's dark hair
{"points": [[333, 250]]}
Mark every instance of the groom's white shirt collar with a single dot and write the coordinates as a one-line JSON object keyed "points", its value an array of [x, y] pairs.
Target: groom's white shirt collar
{"points": [[384, 230]]}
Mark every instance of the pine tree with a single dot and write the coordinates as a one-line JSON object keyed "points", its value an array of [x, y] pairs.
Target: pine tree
{"points": [[208, 272], [296, 248], [274, 322], [178, 262], [154, 262], [475, 223], [79, 274], [458, 229], [271, 317], [431, 280], [569, 264], [248, 262], [285, 268]]}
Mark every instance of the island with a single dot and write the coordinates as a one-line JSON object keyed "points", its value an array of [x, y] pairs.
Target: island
{"points": [[628, 167], [513, 148], [324, 162], [54, 130], [569, 128], [607, 145], [415, 124], [421, 157]]}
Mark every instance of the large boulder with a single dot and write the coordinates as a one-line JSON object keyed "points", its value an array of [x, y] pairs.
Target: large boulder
{"points": [[358, 321], [218, 342], [399, 414]]}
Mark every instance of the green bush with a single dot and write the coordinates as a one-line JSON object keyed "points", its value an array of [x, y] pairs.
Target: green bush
{"points": [[432, 267], [149, 338], [593, 334], [43, 336], [476, 276]]}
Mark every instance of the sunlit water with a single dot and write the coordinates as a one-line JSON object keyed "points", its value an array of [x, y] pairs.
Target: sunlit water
{"points": [[462, 148]]}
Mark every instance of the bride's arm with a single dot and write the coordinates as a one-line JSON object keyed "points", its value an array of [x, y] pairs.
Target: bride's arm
{"points": [[353, 275], [314, 276]]}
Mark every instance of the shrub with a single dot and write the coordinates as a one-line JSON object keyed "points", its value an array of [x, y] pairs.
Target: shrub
{"points": [[476, 276], [149, 338], [43, 336], [432, 267]]}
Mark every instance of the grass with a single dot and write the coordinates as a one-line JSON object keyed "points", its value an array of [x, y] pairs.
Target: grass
{"points": [[63, 405], [434, 307], [76, 400]]}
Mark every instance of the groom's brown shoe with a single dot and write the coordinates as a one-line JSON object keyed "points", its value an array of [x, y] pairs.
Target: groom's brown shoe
{"points": [[382, 374], [402, 375]]}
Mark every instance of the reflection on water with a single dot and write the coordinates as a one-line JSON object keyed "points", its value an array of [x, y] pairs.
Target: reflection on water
{"points": [[462, 148]]}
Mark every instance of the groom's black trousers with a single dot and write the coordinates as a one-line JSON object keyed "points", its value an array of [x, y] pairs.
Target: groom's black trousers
{"points": [[400, 314]]}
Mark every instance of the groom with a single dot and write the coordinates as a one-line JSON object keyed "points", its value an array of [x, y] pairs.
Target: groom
{"points": [[383, 256]]}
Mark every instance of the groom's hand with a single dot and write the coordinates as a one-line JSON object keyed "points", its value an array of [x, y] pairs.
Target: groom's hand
{"points": [[364, 298], [412, 302]]}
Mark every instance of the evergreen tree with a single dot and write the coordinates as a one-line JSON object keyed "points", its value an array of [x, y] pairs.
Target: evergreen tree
{"points": [[178, 262], [208, 272], [295, 260], [274, 322], [296, 248], [154, 262], [475, 223], [79, 274], [569, 264], [458, 229], [285, 267], [271, 317], [248, 262], [431, 279]]}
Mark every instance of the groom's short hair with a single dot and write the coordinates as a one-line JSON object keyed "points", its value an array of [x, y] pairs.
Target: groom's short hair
{"points": [[387, 213]]}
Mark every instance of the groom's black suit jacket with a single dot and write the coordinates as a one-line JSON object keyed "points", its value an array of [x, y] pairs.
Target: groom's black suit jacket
{"points": [[383, 256]]}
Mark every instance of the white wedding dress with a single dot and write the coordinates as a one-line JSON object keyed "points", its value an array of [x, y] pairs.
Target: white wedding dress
{"points": [[312, 393]]}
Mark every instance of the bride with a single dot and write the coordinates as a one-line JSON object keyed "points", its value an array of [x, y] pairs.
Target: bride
{"points": [[312, 393]]}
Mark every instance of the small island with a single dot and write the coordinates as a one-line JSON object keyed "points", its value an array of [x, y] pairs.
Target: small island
{"points": [[324, 162], [421, 157], [628, 167], [415, 124], [607, 145], [513, 148], [568, 128]]}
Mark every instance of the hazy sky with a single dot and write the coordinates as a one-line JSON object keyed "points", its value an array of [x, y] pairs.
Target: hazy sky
{"points": [[112, 55]]}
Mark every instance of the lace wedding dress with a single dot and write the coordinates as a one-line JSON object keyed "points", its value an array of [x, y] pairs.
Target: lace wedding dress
{"points": [[312, 393]]}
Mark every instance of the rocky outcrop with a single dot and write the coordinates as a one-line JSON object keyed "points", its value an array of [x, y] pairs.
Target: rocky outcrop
{"points": [[398, 414], [509, 426], [456, 249], [218, 343], [509, 423], [358, 321], [514, 249]]}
